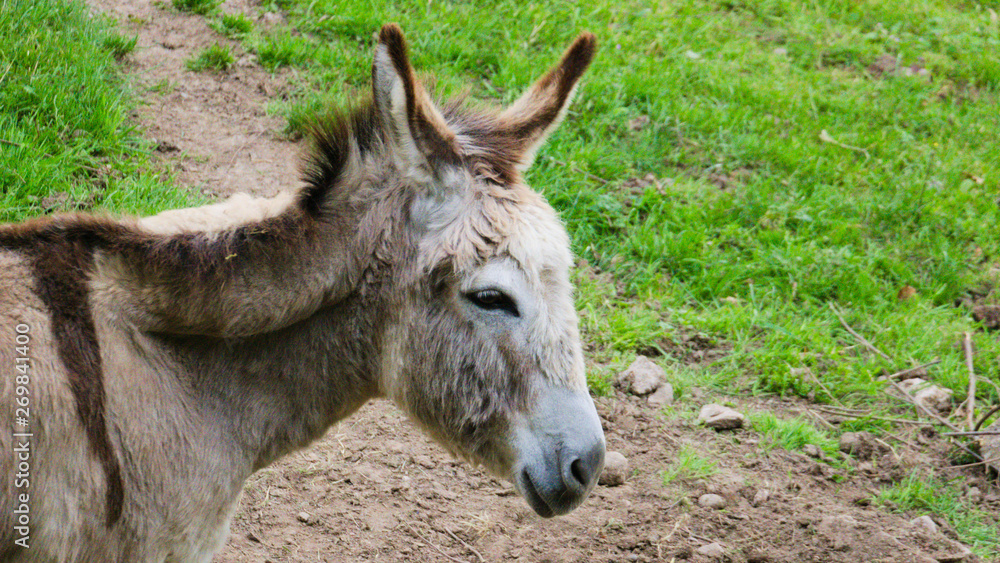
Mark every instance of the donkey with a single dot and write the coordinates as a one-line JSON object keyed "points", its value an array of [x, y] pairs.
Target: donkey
{"points": [[160, 361]]}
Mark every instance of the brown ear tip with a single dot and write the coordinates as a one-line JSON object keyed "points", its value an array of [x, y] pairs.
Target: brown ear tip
{"points": [[391, 34], [583, 48], [587, 42]]}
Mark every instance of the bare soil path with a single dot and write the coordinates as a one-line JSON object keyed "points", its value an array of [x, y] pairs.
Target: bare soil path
{"points": [[374, 489], [213, 126]]}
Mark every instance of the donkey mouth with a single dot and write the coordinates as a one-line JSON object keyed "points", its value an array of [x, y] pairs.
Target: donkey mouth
{"points": [[560, 452], [535, 500]]}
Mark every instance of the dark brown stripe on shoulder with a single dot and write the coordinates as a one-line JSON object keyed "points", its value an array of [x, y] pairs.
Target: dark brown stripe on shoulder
{"points": [[61, 264]]}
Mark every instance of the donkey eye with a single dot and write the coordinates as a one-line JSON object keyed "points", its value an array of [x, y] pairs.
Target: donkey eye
{"points": [[493, 299]]}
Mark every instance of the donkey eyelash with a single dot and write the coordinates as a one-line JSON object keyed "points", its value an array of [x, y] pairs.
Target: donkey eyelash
{"points": [[493, 300]]}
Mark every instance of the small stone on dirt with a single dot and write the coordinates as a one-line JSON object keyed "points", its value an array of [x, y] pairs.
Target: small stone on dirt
{"points": [[712, 501], [760, 497], [662, 396], [712, 550], [306, 518], [928, 395], [861, 445], [615, 470], [813, 451], [989, 447], [642, 377], [925, 524], [974, 495], [720, 417]]}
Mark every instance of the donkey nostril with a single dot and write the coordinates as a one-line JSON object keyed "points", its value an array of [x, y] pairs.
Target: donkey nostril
{"points": [[579, 473]]}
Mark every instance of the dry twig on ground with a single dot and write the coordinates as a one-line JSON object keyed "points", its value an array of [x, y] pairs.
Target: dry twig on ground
{"points": [[971, 401], [859, 338]]}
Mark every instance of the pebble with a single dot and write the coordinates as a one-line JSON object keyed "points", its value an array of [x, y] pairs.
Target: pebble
{"points": [[989, 447], [712, 550], [642, 377], [615, 470], [974, 495], [861, 445], [760, 497], [306, 518], [662, 396], [720, 417], [712, 501], [925, 524], [928, 395], [813, 451]]}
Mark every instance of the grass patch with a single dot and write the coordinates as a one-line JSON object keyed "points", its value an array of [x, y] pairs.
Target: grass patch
{"points": [[235, 26], [201, 7], [64, 117], [283, 49], [689, 465], [922, 494], [217, 57], [792, 434], [119, 45]]}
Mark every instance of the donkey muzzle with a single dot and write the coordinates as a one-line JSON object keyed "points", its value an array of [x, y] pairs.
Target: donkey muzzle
{"points": [[560, 452]]}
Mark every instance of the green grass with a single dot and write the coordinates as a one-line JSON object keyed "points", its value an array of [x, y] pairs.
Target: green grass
{"points": [[67, 137], [792, 434], [281, 49], [920, 494], [202, 7], [217, 57], [689, 465], [119, 45], [235, 26]]}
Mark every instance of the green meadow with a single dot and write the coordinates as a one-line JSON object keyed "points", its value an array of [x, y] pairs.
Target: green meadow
{"points": [[67, 140]]}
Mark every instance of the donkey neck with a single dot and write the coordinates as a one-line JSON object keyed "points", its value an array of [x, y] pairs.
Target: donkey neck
{"points": [[279, 388], [276, 392]]}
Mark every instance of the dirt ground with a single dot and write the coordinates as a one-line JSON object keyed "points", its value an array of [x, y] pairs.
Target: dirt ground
{"points": [[374, 489]]}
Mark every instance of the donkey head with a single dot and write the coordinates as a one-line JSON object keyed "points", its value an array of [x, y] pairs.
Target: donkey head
{"points": [[483, 350]]}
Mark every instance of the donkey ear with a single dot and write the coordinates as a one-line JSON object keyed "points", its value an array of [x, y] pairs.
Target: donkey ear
{"points": [[539, 110], [419, 136]]}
